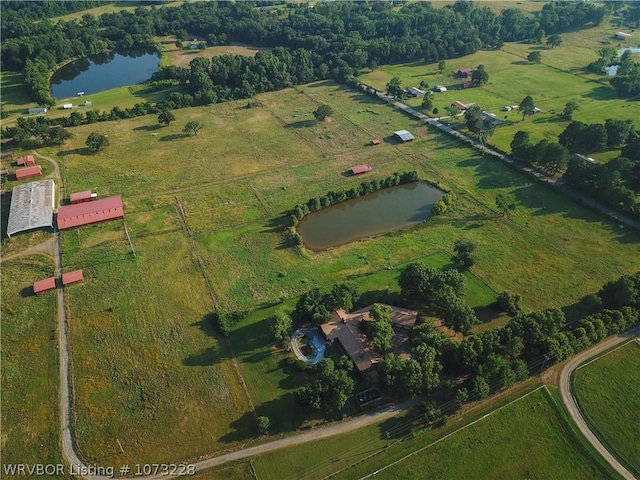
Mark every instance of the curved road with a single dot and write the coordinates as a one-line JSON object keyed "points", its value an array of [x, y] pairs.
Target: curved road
{"points": [[570, 401]]}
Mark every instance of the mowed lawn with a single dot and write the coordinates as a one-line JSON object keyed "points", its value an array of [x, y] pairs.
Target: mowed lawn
{"points": [[30, 404], [525, 439], [609, 395], [148, 366]]}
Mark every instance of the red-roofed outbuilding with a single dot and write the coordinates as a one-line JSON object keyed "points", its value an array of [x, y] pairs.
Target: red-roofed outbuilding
{"points": [[90, 212], [26, 160], [45, 285], [80, 197], [28, 172], [72, 277], [358, 169]]}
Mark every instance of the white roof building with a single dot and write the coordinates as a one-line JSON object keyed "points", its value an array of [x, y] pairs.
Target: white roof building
{"points": [[32, 206], [404, 135]]}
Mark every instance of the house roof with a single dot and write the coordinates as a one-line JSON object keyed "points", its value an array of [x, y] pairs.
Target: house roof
{"points": [[72, 277], [44, 285], [79, 196], [415, 91], [459, 105], [404, 135], [31, 206], [29, 172], [90, 212], [466, 71], [360, 169]]}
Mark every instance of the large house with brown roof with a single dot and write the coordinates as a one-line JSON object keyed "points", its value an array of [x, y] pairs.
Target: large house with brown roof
{"points": [[346, 328]]}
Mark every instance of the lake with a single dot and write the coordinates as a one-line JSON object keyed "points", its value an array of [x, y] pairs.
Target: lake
{"points": [[104, 71], [379, 212]]}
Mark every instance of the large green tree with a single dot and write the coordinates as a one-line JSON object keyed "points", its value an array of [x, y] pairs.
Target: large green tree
{"points": [[527, 106], [97, 141], [193, 127], [322, 112]]}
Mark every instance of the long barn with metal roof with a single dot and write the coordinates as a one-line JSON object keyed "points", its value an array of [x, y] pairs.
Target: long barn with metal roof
{"points": [[91, 212], [31, 206]]}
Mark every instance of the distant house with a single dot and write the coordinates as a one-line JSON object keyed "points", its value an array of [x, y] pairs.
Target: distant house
{"points": [[86, 103], [375, 141], [358, 169], [36, 110], [67, 106], [491, 117], [459, 105], [464, 73], [416, 92], [439, 88], [536, 110], [622, 36], [506, 108], [404, 135], [28, 172]]}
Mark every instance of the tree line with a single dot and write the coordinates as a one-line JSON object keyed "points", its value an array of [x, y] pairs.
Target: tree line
{"points": [[327, 39]]}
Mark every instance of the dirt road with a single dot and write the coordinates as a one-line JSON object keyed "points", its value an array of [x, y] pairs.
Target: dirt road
{"points": [[570, 401]]}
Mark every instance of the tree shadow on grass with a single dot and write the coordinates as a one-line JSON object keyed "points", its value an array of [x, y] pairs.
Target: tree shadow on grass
{"points": [[149, 128], [76, 151], [276, 224], [27, 292], [301, 124], [174, 136], [601, 93]]}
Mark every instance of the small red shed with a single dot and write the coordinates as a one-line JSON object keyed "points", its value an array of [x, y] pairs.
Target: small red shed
{"points": [[358, 169], [28, 172], [45, 285], [375, 141], [72, 277], [26, 160], [80, 197]]}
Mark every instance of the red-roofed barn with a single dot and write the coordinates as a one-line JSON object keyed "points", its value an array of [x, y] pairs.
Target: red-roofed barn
{"points": [[72, 277], [26, 160], [72, 216], [28, 172], [45, 285], [358, 169]]}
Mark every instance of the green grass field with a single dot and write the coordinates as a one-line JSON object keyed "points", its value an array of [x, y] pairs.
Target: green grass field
{"points": [[148, 366], [524, 438], [30, 406], [609, 397]]}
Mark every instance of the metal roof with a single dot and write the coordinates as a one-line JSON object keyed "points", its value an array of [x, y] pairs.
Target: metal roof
{"points": [[31, 206], [72, 277], [90, 212], [360, 169], [404, 135], [44, 285], [28, 172], [79, 196]]}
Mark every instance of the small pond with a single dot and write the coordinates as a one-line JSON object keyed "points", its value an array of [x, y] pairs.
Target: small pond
{"points": [[379, 212], [104, 71], [612, 70]]}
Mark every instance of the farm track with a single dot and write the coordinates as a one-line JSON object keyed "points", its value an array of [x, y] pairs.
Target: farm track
{"points": [[571, 404]]}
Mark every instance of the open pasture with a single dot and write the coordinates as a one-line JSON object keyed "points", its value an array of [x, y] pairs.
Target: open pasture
{"points": [[527, 438], [609, 397], [30, 413], [205, 216]]}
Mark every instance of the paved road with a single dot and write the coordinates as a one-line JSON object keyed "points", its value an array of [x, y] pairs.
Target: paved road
{"points": [[570, 401]]}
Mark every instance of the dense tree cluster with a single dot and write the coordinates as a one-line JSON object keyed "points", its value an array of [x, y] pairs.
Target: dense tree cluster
{"points": [[330, 390], [315, 306], [326, 39], [38, 131]]}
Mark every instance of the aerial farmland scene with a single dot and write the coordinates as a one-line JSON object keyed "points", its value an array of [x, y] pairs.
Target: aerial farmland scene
{"points": [[282, 240]]}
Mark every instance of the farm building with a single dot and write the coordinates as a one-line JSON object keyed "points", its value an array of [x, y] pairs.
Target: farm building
{"points": [[86, 103], [459, 105], [464, 73], [26, 161], [67, 106], [31, 206], [375, 141], [416, 92], [492, 117], [622, 36], [439, 88], [81, 214], [4, 173], [36, 110], [358, 169], [403, 135], [345, 327], [72, 277], [81, 197], [28, 172], [45, 285]]}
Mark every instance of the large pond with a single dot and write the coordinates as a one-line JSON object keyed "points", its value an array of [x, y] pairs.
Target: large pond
{"points": [[379, 212], [104, 71]]}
